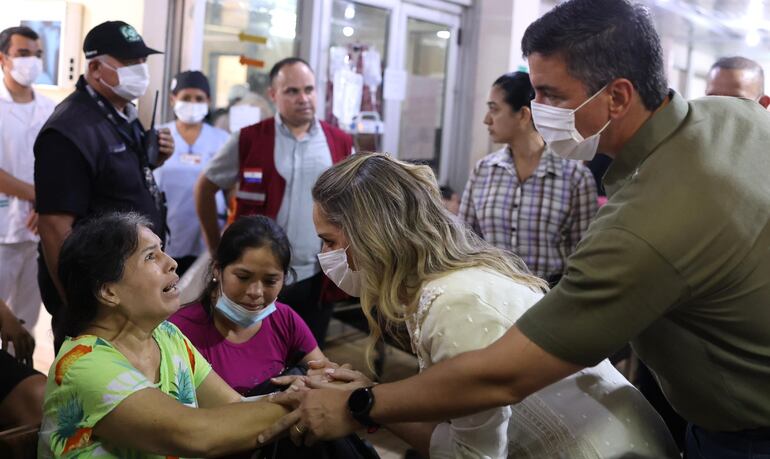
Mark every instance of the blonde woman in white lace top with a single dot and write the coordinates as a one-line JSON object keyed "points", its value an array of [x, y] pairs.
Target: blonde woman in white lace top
{"points": [[411, 261], [594, 413]]}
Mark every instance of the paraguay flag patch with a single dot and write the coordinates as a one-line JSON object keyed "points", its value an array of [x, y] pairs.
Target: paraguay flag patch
{"points": [[253, 175]]}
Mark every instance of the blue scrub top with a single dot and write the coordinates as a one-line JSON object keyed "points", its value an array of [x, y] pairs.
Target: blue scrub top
{"points": [[177, 179]]}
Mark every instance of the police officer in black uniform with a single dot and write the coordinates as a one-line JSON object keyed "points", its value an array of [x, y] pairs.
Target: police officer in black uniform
{"points": [[93, 156]]}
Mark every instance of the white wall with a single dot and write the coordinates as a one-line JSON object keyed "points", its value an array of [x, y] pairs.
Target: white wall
{"points": [[154, 33], [94, 12], [499, 51], [97, 11]]}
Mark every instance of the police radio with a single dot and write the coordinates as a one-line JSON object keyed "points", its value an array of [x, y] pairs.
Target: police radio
{"points": [[151, 145]]}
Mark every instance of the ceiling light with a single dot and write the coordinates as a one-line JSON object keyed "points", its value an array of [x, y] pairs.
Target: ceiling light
{"points": [[348, 31], [350, 12], [443, 34]]}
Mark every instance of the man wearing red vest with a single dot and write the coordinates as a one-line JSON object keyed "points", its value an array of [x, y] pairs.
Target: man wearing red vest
{"points": [[275, 164]]}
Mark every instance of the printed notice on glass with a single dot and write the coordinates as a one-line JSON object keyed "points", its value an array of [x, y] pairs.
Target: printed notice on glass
{"points": [[395, 84], [243, 115]]}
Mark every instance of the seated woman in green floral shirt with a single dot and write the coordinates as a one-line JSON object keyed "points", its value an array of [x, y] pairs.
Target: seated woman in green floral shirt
{"points": [[126, 383]]}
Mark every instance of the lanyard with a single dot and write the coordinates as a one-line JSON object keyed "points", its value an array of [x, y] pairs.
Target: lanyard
{"points": [[134, 138]]}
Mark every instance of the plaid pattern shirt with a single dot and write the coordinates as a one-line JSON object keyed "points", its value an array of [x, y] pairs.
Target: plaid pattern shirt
{"points": [[542, 219]]}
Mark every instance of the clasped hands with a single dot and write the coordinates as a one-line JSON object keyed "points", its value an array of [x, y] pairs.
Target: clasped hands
{"points": [[318, 403]]}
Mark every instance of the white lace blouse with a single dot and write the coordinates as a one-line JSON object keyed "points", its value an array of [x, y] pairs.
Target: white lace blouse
{"points": [[595, 413]]}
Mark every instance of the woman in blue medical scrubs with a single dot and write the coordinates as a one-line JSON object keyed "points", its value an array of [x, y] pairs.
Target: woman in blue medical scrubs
{"points": [[196, 143]]}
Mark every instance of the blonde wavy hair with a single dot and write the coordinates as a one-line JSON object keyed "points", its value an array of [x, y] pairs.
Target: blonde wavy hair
{"points": [[402, 236]]}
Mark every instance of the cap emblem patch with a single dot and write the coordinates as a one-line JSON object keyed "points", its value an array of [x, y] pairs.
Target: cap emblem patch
{"points": [[130, 33]]}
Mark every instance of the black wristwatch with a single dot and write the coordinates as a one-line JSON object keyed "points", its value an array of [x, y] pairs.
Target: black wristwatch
{"points": [[360, 403]]}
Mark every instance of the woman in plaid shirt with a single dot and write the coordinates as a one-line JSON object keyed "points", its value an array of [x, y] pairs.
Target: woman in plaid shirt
{"points": [[524, 198]]}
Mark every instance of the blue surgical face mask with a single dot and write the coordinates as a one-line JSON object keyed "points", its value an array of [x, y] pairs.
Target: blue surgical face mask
{"points": [[239, 315]]}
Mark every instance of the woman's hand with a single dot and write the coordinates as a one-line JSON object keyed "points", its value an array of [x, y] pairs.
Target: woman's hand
{"points": [[329, 378], [317, 367], [295, 382], [340, 378], [318, 415]]}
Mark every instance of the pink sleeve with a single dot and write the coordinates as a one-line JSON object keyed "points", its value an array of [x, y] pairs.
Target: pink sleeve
{"points": [[301, 340], [191, 321], [178, 320]]}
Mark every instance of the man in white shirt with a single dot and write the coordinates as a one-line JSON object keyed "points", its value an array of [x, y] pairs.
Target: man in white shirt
{"points": [[22, 114]]}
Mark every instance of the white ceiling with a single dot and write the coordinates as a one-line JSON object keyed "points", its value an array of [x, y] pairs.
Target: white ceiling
{"points": [[717, 26]]}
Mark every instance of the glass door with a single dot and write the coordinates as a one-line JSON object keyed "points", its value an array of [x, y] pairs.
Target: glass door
{"points": [[241, 42], [429, 54], [357, 57], [387, 75]]}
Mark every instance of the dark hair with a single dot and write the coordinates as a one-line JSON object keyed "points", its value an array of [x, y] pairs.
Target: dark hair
{"points": [[736, 63], [190, 79], [446, 192], [517, 88], [5, 36], [740, 63], [252, 232], [602, 40], [283, 63], [94, 254]]}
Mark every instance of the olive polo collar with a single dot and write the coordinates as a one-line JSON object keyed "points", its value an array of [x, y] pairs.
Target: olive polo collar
{"points": [[645, 141]]}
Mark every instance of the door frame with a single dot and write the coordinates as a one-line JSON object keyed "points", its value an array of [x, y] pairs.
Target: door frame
{"points": [[317, 53], [452, 22]]}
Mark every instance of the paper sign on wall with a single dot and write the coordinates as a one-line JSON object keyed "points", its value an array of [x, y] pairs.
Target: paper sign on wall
{"points": [[338, 59], [242, 116]]}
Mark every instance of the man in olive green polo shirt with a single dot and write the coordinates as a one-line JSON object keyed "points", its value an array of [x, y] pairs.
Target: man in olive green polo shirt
{"points": [[677, 262]]}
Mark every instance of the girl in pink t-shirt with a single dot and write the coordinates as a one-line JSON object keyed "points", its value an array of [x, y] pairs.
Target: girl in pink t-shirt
{"points": [[237, 324]]}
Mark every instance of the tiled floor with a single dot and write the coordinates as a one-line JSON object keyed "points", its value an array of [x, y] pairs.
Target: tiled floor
{"points": [[345, 345]]}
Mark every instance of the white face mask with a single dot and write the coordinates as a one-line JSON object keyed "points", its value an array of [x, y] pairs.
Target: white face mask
{"points": [[557, 126], [26, 69], [190, 112], [335, 265], [133, 80]]}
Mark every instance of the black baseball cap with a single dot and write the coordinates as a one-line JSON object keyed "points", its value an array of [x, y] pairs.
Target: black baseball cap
{"points": [[117, 39]]}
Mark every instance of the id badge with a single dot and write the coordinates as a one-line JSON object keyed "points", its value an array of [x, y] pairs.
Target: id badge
{"points": [[190, 158]]}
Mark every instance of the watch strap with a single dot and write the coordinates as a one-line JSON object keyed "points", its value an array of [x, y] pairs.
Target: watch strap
{"points": [[361, 412]]}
